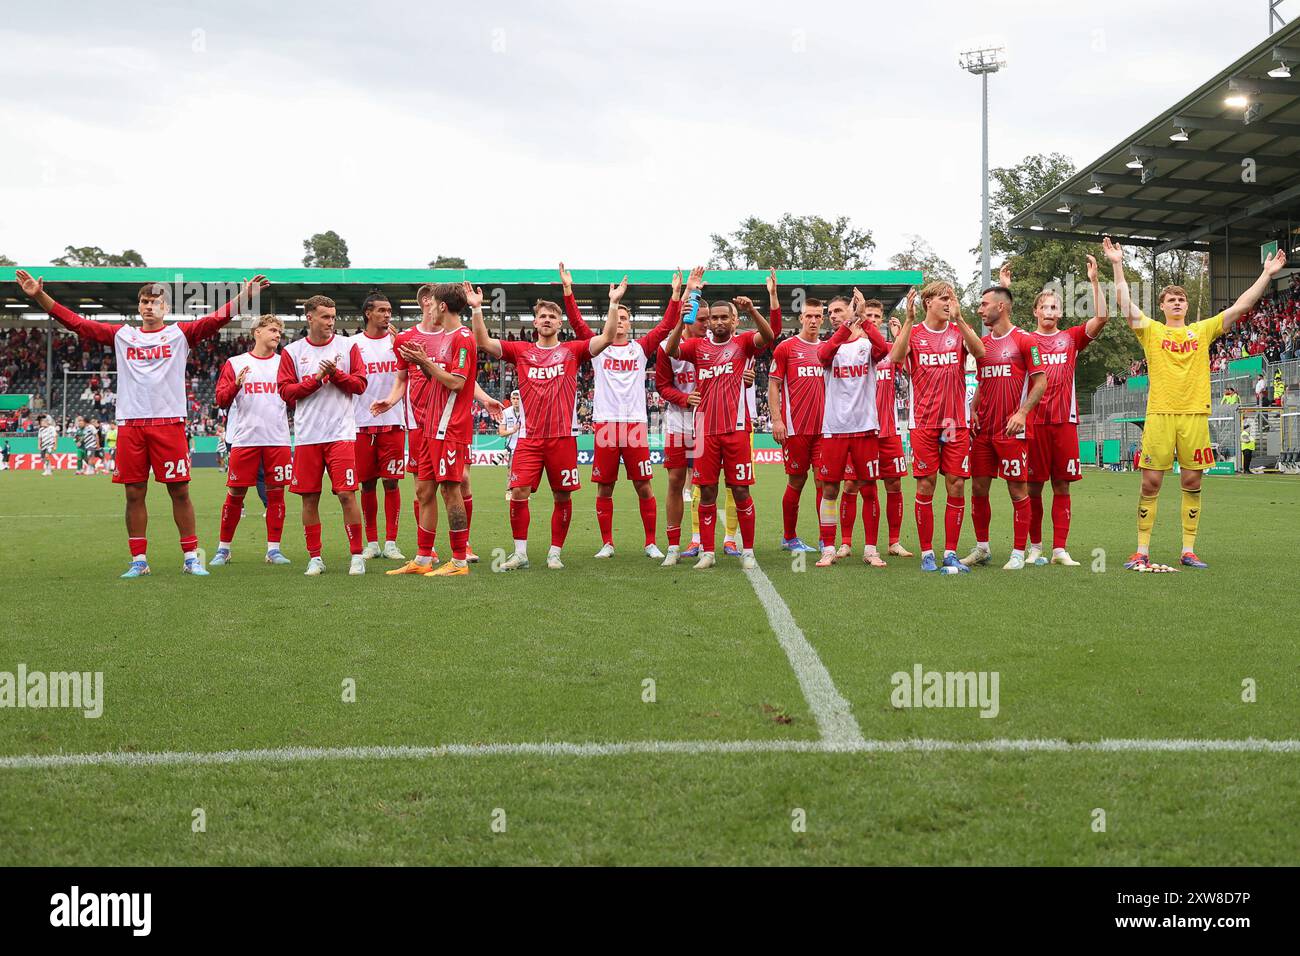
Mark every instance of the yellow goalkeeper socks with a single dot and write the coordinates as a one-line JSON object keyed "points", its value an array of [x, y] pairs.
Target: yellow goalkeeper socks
{"points": [[695, 513], [733, 520], [1191, 518], [1146, 521]]}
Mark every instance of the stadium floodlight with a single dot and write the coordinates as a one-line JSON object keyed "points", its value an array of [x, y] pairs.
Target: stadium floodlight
{"points": [[1095, 189], [1135, 162], [1037, 225], [981, 62], [90, 305], [1064, 207], [16, 305], [1179, 137], [408, 308], [1236, 100], [1283, 57]]}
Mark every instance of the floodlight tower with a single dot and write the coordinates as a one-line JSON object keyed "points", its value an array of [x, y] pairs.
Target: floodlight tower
{"points": [[982, 62]]}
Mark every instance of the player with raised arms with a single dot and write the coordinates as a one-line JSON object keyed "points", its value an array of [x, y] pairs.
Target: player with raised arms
{"points": [[1011, 382], [893, 462], [619, 409], [1178, 403], [935, 355], [675, 382], [150, 364], [850, 421], [319, 375], [1054, 426], [381, 438], [257, 430], [547, 372], [796, 399], [720, 360]]}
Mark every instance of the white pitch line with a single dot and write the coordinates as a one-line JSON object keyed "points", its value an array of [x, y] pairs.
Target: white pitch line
{"points": [[829, 708], [174, 758]]}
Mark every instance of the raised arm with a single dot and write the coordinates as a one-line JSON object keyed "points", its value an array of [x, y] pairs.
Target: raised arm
{"points": [[34, 289], [581, 329], [764, 336], [1100, 307], [973, 344], [1246, 301], [484, 341], [1115, 253], [826, 351], [650, 341], [903, 337], [601, 342], [879, 347], [211, 324], [774, 304]]}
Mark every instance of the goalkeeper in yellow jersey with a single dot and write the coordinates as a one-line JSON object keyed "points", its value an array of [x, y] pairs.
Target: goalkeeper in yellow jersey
{"points": [[1178, 400]]}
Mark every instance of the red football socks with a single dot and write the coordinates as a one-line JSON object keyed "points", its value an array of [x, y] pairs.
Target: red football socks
{"points": [[605, 518]]}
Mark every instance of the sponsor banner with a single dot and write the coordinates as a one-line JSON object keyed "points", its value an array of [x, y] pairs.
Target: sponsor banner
{"points": [[60, 461]]}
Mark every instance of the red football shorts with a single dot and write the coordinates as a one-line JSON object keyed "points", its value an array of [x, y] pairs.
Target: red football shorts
{"points": [[997, 456], [839, 450], [1054, 452], [380, 454], [679, 450], [274, 460], [930, 453], [445, 460], [162, 448], [627, 441], [801, 452], [729, 453], [310, 462], [558, 457], [414, 443], [893, 461]]}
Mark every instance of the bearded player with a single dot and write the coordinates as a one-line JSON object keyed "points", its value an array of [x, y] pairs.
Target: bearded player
{"points": [[1010, 385], [675, 382], [547, 372], [619, 410], [935, 355], [720, 361], [796, 397], [150, 404], [1178, 403], [1054, 428], [257, 428]]}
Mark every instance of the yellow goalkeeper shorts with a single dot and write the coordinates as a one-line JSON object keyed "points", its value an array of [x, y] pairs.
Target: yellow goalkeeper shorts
{"points": [[1186, 436]]}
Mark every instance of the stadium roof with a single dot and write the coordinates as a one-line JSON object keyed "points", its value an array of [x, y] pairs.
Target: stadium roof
{"points": [[1188, 193], [113, 290]]}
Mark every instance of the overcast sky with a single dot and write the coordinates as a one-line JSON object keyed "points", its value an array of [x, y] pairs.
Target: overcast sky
{"points": [[612, 135]]}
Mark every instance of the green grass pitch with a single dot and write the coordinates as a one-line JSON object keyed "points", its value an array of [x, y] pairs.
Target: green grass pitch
{"points": [[256, 657]]}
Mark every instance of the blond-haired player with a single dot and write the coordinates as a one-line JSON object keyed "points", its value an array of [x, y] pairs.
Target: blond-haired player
{"points": [[1178, 402]]}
